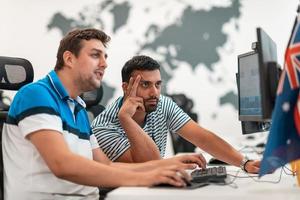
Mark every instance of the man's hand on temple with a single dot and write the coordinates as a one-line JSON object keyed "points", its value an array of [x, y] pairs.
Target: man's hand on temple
{"points": [[131, 103]]}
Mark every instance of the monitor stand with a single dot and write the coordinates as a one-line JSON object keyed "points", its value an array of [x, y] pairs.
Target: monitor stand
{"points": [[254, 127]]}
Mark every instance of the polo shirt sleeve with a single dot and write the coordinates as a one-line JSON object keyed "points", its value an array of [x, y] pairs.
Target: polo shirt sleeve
{"points": [[40, 122], [113, 141], [33, 109]]}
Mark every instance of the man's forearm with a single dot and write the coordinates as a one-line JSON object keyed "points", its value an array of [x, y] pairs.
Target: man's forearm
{"points": [[142, 147], [84, 171], [210, 143], [220, 149], [75, 168]]}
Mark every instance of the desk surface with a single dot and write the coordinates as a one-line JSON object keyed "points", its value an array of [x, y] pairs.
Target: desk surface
{"points": [[241, 188]]}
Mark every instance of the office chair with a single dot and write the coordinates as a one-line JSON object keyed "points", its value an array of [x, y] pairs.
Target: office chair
{"points": [[92, 100], [14, 73], [186, 104]]}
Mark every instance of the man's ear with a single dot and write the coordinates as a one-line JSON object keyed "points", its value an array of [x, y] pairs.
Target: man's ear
{"points": [[68, 57], [124, 86]]}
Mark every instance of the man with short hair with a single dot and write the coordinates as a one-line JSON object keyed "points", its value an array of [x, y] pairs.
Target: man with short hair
{"points": [[49, 151], [134, 128]]}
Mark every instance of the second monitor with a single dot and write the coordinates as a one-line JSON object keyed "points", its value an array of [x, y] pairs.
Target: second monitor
{"points": [[257, 80]]}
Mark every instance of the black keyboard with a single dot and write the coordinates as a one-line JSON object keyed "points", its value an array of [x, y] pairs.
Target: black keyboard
{"points": [[209, 175]]}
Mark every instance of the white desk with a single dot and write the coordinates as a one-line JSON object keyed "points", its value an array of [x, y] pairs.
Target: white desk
{"points": [[247, 189]]}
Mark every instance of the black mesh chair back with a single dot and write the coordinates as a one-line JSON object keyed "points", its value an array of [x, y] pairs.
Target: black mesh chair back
{"points": [[92, 100], [14, 73], [186, 104]]}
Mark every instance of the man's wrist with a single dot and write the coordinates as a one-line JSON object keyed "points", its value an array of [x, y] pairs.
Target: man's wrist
{"points": [[124, 116], [244, 163]]}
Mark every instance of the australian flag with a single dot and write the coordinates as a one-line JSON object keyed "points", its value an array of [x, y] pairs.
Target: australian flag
{"points": [[283, 144]]}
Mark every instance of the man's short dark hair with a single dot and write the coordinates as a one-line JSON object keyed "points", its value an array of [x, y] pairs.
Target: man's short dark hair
{"points": [[72, 42], [138, 63]]}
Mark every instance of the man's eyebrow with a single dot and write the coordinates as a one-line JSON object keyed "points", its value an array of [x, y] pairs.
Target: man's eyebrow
{"points": [[95, 49], [145, 81]]}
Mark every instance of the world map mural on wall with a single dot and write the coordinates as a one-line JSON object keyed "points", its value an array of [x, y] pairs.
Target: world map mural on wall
{"points": [[193, 38]]}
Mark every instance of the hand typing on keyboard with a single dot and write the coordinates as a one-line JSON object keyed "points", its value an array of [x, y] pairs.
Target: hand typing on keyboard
{"points": [[210, 175], [202, 177]]}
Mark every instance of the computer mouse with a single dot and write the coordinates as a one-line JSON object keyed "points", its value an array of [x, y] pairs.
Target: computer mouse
{"points": [[250, 137], [261, 145], [214, 161]]}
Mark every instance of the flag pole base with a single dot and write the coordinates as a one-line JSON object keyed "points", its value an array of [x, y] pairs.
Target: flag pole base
{"points": [[295, 165]]}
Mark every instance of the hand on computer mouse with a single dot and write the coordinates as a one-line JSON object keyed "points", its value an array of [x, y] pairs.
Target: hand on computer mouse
{"points": [[184, 177], [174, 175], [187, 184]]}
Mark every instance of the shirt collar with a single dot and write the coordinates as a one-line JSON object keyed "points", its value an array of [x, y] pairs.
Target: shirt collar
{"points": [[120, 102], [61, 90]]}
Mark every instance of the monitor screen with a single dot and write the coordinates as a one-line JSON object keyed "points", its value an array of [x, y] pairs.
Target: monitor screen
{"points": [[250, 108]]}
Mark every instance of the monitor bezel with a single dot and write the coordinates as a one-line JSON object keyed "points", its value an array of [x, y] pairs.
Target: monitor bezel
{"points": [[264, 45]]}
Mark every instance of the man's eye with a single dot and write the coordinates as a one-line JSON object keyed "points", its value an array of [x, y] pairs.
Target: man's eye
{"points": [[145, 84], [95, 55], [158, 84]]}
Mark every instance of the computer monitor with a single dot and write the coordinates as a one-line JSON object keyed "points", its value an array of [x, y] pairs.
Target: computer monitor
{"points": [[250, 105], [257, 80]]}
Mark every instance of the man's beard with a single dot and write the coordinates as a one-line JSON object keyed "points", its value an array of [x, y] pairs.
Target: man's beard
{"points": [[89, 84], [150, 108]]}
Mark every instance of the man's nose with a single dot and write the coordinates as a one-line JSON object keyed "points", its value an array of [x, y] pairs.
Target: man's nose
{"points": [[154, 90], [102, 63]]}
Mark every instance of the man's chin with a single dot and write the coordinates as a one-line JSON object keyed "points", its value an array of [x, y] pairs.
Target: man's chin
{"points": [[92, 87], [150, 109], [97, 84]]}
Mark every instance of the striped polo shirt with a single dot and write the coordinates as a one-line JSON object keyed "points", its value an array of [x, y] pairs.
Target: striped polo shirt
{"points": [[44, 105], [112, 139]]}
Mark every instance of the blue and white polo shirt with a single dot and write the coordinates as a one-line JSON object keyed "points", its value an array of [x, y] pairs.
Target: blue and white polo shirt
{"points": [[44, 105]]}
